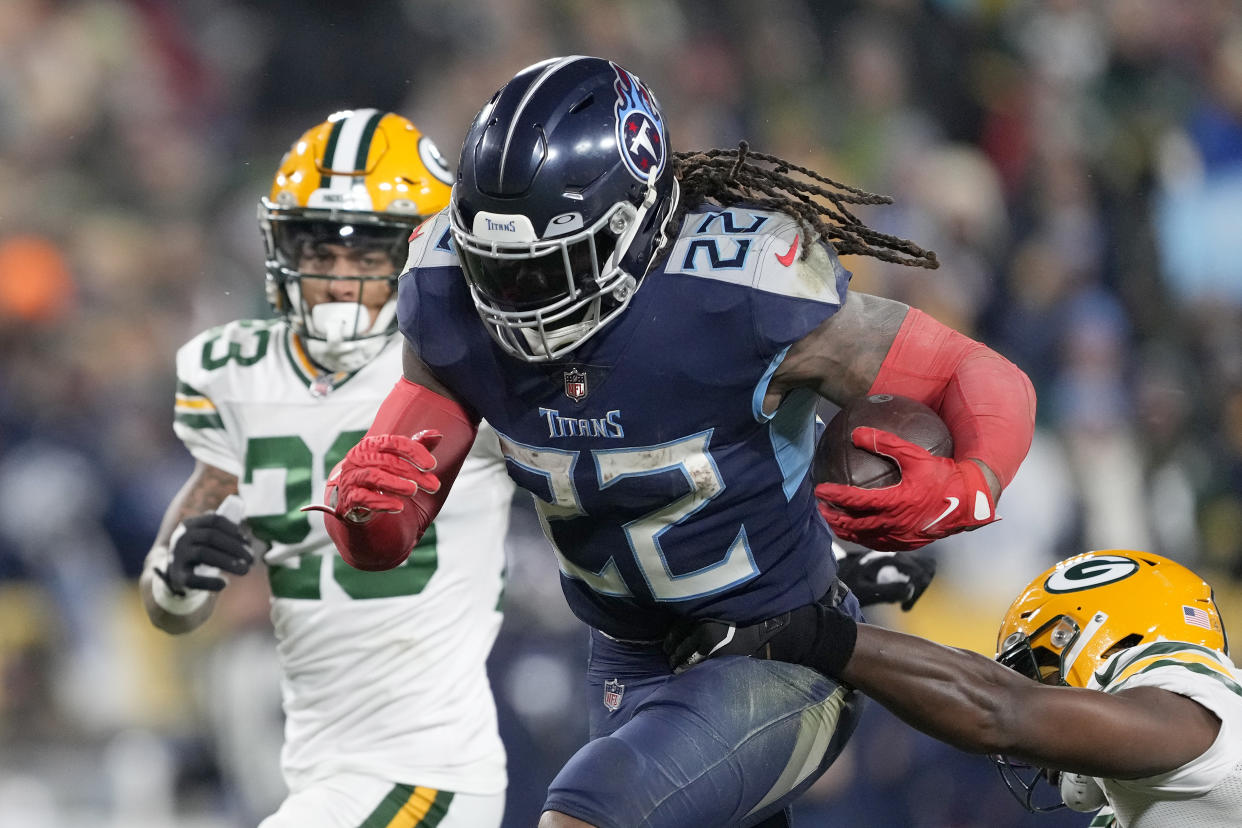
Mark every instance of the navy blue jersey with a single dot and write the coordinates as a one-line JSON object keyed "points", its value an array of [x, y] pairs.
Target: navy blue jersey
{"points": [[665, 488]]}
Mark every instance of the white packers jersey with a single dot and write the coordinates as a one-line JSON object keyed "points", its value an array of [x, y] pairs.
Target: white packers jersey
{"points": [[1207, 791], [383, 672]]}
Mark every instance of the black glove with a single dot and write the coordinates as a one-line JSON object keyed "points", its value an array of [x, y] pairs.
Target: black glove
{"points": [[211, 540], [817, 635], [886, 577]]}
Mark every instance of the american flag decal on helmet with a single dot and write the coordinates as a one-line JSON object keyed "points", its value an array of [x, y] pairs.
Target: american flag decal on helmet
{"points": [[1196, 617], [576, 384]]}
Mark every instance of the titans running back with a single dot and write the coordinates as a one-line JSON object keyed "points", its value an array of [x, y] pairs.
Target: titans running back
{"points": [[648, 332]]}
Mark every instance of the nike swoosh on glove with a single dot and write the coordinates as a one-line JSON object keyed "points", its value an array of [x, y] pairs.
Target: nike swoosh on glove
{"points": [[937, 497]]}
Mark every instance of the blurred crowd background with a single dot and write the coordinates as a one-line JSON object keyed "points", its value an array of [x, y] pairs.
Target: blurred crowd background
{"points": [[1077, 165]]}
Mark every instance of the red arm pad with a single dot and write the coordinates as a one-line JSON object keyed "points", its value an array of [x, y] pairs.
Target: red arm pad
{"points": [[987, 402], [386, 539]]}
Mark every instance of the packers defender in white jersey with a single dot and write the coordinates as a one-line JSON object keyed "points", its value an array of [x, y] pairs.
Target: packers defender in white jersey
{"points": [[389, 716], [1114, 684], [1145, 629]]}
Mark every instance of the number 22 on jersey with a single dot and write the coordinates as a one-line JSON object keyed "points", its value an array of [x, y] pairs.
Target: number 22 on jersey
{"points": [[688, 455]]}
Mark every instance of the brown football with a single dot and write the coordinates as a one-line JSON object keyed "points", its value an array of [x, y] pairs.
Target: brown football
{"points": [[838, 460]]}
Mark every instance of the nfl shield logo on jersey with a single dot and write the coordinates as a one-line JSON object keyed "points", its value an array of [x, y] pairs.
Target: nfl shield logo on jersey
{"points": [[613, 691], [322, 385], [575, 384]]}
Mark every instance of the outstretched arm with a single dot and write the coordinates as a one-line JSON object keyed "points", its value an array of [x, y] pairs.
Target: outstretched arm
{"points": [[981, 706], [967, 700], [391, 485]]}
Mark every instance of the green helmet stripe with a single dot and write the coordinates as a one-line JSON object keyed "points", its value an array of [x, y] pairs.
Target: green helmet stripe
{"points": [[330, 151], [364, 141], [348, 147]]}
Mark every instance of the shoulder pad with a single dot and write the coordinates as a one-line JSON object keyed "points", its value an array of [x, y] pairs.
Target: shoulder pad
{"points": [[1142, 660], [431, 244], [783, 270], [761, 249], [240, 343]]}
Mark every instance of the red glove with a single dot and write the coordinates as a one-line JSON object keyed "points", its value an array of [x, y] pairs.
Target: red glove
{"points": [[937, 497], [373, 487], [380, 473]]}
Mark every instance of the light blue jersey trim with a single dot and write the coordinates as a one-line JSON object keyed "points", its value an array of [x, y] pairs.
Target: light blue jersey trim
{"points": [[792, 430], [761, 388], [791, 427]]}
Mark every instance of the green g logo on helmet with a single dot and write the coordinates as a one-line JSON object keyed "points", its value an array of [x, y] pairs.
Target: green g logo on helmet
{"points": [[1088, 574]]}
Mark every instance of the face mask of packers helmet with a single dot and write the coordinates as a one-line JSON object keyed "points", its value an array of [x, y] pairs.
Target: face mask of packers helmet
{"points": [[362, 180], [1075, 616]]}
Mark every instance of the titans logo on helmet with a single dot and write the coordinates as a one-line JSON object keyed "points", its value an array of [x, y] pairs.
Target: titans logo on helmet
{"points": [[640, 129]]}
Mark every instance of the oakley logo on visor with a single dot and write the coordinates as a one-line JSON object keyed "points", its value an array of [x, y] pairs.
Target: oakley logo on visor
{"points": [[563, 224]]}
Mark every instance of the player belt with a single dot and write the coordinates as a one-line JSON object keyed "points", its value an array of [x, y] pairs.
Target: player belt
{"points": [[835, 594]]}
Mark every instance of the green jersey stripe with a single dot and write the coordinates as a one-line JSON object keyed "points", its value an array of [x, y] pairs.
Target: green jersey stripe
{"points": [[299, 369], [1104, 818], [1192, 666], [389, 807], [1158, 648], [405, 803], [187, 390], [437, 811], [199, 421]]}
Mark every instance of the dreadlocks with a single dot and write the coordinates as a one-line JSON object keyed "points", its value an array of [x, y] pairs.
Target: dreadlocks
{"points": [[729, 176]]}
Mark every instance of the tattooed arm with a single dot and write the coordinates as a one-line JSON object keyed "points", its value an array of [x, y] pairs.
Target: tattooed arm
{"points": [[206, 489], [877, 346], [842, 357]]}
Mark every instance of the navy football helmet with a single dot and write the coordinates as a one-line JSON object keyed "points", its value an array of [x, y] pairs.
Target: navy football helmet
{"points": [[563, 193]]}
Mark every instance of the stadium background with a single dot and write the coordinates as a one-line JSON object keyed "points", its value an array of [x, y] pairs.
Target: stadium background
{"points": [[1076, 164]]}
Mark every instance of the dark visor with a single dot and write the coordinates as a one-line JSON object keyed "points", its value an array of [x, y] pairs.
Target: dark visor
{"points": [[537, 281]]}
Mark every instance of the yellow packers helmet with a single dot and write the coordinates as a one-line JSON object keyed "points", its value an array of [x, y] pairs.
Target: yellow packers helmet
{"points": [[1075, 616], [362, 179], [1072, 618]]}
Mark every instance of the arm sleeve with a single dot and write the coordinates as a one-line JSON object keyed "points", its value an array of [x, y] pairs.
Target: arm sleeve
{"points": [[386, 539], [987, 401]]}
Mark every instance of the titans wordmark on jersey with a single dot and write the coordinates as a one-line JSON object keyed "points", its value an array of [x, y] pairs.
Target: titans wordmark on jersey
{"points": [[1207, 791], [383, 673], [664, 486]]}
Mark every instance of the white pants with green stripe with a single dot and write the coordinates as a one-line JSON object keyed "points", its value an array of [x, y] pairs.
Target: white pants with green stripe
{"points": [[353, 801]]}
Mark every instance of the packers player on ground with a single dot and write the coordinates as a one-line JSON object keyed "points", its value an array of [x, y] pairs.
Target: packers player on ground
{"points": [[389, 716]]}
